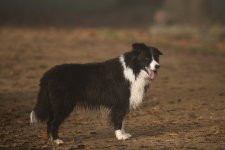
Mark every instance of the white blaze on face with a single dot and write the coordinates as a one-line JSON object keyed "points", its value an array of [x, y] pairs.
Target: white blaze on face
{"points": [[153, 63]]}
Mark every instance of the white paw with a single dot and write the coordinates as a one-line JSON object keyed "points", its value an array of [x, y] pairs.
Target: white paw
{"points": [[127, 135], [121, 135], [58, 141]]}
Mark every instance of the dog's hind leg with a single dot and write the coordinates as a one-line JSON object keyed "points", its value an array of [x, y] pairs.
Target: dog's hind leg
{"points": [[54, 127], [55, 123], [49, 126], [59, 115]]}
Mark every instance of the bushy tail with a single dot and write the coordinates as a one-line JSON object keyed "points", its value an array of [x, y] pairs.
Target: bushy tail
{"points": [[33, 118], [42, 109]]}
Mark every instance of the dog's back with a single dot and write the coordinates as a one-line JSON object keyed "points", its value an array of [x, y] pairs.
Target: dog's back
{"points": [[89, 85]]}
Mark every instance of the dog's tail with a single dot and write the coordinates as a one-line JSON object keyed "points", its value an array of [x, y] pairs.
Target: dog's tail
{"points": [[33, 118], [42, 109]]}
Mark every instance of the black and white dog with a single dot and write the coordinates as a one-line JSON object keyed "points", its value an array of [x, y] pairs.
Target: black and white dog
{"points": [[117, 84]]}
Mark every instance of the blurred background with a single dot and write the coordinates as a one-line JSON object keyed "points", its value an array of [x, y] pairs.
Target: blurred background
{"points": [[112, 13], [182, 19]]}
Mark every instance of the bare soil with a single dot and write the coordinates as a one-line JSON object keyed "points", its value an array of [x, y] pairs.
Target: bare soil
{"points": [[183, 109]]}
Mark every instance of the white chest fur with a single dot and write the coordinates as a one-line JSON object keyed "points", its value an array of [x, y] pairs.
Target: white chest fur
{"points": [[137, 85], [137, 90]]}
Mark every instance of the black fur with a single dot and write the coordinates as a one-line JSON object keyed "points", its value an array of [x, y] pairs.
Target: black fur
{"points": [[66, 86]]}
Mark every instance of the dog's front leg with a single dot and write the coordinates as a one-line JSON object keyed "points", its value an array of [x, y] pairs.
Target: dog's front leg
{"points": [[117, 116]]}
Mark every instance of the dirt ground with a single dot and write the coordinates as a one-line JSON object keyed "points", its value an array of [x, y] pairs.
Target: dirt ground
{"points": [[184, 108]]}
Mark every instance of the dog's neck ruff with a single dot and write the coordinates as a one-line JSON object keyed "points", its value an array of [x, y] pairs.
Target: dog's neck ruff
{"points": [[137, 83], [127, 71]]}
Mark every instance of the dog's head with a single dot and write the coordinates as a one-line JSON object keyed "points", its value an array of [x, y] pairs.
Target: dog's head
{"points": [[146, 58]]}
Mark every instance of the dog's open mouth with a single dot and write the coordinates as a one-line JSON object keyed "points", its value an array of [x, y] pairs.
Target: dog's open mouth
{"points": [[151, 73]]}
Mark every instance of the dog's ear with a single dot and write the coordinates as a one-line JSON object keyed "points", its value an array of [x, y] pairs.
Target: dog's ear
{"points": [[159, 52], [138, 47]]}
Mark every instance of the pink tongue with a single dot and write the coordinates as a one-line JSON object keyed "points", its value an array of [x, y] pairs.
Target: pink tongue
{"points": [[151, 74]]}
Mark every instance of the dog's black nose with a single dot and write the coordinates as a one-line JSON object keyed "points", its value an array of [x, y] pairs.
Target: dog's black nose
{"points": [[157, 66]]}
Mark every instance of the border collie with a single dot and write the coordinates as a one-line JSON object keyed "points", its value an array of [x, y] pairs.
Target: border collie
{"points": [[117, 84]]}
